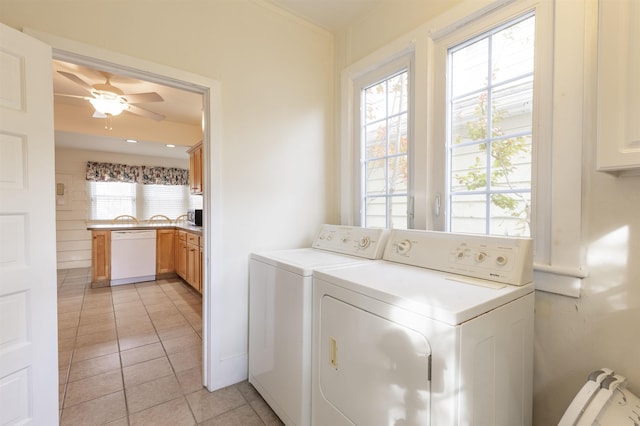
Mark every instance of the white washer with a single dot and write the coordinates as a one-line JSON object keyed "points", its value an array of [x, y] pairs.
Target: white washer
{"points": [[440, 332], [280, 314]]}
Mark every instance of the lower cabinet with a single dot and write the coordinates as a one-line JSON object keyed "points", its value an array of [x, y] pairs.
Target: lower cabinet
{"points": [[177, 251], [181, 254], [189, 258], [100, 257], [193, 261]]}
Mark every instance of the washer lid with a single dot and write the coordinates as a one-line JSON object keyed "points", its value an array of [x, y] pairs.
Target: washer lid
{"points": [[445, 297], [304, 261]]}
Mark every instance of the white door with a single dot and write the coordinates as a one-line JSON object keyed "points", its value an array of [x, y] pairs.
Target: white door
{"points": [[28, 307]]}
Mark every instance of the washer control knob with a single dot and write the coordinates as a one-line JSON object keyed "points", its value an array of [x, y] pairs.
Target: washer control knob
{"points": [[501, 260], [480, 257], [364, 242], [404, 247]]}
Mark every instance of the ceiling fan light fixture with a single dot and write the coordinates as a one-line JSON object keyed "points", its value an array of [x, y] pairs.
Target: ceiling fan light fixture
{"points": [[108, 104]]}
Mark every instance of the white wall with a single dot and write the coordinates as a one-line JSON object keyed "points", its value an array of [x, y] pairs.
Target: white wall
{"points": [[276, 81], [573, 336], [73, 241]]}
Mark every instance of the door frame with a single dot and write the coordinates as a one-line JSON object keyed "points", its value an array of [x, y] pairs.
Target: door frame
{"points": [[95, 57]]}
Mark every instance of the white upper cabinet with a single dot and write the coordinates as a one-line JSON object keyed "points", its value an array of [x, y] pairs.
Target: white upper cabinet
{"points": [[618, 119]]}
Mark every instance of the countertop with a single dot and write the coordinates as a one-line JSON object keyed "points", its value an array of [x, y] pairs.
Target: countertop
{"points": [[143, 225]]}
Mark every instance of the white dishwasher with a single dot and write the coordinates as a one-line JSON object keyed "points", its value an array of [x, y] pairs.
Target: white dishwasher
{"points": [[133, 256]]}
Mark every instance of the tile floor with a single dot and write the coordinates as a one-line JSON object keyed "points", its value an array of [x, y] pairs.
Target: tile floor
{"points": [[131, 355]]}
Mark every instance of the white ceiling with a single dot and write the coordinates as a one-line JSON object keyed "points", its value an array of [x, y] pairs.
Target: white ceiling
{"points": [[332, 15]]}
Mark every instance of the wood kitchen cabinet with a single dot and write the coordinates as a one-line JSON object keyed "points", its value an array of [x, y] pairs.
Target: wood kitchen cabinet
{"points": [[181, 254], [100, 258], [165, 251], [195, 169], [194, 261]]}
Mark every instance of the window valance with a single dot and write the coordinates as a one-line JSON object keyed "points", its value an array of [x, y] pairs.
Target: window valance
{"points": [[112, 172]]}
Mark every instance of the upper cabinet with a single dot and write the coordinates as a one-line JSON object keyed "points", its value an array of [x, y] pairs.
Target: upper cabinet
{"points": [[618, 122], [195, 169]]}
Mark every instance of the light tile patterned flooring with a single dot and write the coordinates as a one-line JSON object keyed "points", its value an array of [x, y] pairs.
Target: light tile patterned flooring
{"points": [[132, 355]]}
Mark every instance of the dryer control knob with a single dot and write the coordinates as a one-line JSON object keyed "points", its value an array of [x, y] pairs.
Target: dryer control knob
{"points": [[501, 260], [480, 256], [403, 247], [364, 242]]}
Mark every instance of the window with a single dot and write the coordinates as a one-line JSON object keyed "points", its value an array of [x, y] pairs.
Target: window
{"points": [[168, 200], [384, 150], [111, 199], [489, 122]]}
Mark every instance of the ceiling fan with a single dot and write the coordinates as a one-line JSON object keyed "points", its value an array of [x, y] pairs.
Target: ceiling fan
{"points": [[108, 100]]}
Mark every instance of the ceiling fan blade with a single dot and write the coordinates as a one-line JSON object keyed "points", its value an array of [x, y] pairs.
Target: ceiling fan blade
{"points": [[80, 82], [144, 113], [72, 96], [139, 98]]}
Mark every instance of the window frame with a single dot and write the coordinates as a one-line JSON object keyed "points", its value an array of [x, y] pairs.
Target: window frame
{"points": [[489, 190], [388, 70]]}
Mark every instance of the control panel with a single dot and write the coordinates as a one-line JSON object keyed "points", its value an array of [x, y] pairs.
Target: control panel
{"points": [[500, 259], [351, 240]]}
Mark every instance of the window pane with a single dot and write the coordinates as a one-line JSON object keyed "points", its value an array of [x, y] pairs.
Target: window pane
{"points": [[398, 135], [376, 140], [376, 181], [375, 102], [469, 167], [469, 118], [397, 174], [111, 199], [168, 200], [398, 212], [513, 51], [510, 214], [469, 213], [511, 163], [398, 94], [512, 110], [469, 68], [376, 212]]}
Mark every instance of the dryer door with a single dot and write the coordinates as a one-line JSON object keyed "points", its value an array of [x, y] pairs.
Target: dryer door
{"points": [[372, 370]]}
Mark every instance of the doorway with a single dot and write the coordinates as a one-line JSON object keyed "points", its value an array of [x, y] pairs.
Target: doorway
{"points": [[70, 51]]}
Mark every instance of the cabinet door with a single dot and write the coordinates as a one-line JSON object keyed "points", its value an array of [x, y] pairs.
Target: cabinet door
{"points": [[192, 265], [100, 256], [618, 146], [165, 247], [181, 254]]}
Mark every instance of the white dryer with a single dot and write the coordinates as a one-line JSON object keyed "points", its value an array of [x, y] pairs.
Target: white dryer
{"points": [[280, 314], [440, 332]]}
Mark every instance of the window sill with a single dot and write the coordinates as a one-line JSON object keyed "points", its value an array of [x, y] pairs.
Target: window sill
{"points": [[562, 281]]}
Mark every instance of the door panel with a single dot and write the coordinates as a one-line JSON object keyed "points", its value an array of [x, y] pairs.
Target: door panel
{"points": [[373, 370], [28, 317]]}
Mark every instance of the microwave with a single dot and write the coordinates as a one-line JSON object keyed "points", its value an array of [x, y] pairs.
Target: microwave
{"points": [[194, 217]]}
